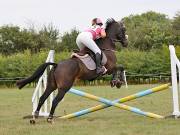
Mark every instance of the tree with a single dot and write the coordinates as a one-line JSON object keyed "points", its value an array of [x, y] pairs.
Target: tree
{"points": [[49, 36], [148, 31], [176, 29], [68, 40], [13, 39]]}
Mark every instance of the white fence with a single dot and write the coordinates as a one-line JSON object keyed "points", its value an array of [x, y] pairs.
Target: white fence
{"points": [[125, 80], [41, 86], [175, 69]]}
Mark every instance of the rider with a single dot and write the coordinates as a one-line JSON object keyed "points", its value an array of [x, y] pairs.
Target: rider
{"points": [[86, 39]]}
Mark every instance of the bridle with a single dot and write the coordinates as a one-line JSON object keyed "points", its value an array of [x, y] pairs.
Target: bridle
{"points": [[105, 49], [115, 40]]}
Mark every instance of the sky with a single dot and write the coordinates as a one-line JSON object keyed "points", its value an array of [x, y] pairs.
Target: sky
{"points": [[68, 14]]}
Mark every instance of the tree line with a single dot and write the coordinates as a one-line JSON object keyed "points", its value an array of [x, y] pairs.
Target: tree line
{"points": [[147, 31], [135, 62], [22, 50]]}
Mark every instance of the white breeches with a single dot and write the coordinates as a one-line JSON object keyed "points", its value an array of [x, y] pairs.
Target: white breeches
{"points": [[86, 39]]}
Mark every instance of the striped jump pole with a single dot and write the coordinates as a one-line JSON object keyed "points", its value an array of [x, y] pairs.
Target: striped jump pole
{"points": [[121, 100], [111, 103]]}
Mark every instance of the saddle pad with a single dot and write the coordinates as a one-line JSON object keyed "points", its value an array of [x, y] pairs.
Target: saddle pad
{"points": [[88, 61]]}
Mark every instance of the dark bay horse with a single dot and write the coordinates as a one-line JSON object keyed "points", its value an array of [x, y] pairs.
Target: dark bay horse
{"points": [[63, 74]]}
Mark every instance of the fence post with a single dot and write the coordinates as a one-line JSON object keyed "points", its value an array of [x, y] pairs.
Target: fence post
{"points": [[40, 88], [174, 65]]}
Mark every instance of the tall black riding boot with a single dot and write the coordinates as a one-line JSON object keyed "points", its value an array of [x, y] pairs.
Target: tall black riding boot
{"points": [[99, 68]]}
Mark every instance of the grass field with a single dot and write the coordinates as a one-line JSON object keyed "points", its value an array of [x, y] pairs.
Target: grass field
{"points": [[15, 104]]}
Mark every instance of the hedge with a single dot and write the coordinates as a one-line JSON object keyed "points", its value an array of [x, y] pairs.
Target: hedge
{"points": [[24, 64]]}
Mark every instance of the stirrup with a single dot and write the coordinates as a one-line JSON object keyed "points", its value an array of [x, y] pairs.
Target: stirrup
{"points": [[105, 70], [99, 70]]}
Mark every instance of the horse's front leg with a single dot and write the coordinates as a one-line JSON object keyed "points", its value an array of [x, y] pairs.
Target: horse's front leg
{"points": [[113, 79], [117, 77]]}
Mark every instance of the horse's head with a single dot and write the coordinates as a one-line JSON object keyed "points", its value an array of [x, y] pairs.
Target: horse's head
{"points": [[117, 31]]}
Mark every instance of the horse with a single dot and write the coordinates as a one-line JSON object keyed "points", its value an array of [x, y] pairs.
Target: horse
{"points": [[63, 74]]}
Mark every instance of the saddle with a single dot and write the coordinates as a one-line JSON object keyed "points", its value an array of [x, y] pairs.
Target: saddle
{"points": [[88, 58]]}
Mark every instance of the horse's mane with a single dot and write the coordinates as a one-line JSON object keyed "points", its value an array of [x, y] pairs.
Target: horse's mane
{"points": [[99, 41], [109, 22]]}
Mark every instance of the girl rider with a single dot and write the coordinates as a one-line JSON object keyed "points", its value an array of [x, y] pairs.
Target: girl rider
{"points": [[86, 39]]}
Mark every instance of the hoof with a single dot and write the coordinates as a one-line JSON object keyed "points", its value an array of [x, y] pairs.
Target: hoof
{"points": [[36, 114], [118, 84], [112, 83], [32, 122], [50, 120]]}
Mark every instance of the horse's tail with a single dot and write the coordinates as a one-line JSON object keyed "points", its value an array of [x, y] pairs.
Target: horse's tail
{"points": [[36, 74]]}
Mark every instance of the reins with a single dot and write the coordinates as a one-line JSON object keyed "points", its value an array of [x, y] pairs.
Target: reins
{"points": [[105, 49], [113, 41]]}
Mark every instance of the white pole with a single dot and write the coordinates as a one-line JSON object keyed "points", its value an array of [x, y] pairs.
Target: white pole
{"points": [[174, 81], [39, 95], [125, 79], [51, 95], [40, 88]]}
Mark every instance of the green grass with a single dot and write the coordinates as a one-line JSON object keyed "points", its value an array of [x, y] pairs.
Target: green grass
{"points": [[15, 104]]}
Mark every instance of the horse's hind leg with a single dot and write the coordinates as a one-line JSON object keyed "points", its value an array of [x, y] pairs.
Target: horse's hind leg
{"points": [[65, 75], [57, 99], [51, 86], [42, 99]]}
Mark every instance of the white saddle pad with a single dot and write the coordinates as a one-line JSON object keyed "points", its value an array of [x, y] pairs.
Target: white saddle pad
{"points": [[88, 61]]}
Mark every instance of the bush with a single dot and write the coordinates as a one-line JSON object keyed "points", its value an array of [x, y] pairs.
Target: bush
{"points": [[154, 61], [134, 61]]}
